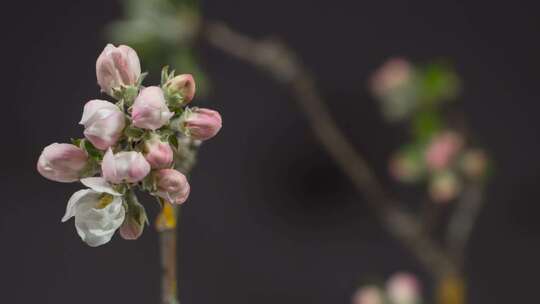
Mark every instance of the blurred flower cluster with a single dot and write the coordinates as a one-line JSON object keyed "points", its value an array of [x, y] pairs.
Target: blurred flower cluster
{"points": [[143, 140], [439, 153], [400, 288], [162, 31]]}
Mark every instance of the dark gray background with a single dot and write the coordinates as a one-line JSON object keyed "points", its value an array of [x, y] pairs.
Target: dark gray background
{"points": [[271, 219]]}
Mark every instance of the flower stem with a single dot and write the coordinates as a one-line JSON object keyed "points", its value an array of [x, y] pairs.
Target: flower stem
{"points": [[168, 246]]}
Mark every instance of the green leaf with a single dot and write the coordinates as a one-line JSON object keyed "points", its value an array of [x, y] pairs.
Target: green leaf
{"points": [[438, 83], [425, 124], [91, 150]]}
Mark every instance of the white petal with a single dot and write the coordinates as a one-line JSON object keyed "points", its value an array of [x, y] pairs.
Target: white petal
{"points": [[99, 184], [96, 106], [97, 226], [72, 203]]}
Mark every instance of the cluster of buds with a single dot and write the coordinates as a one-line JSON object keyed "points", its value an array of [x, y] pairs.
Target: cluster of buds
{"points": [[444, 161], [404, 89], [140, 141], [415, 94], [400, 288]]}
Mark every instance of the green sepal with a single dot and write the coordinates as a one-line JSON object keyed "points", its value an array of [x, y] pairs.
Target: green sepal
{"points": [[135, 213], [76, 141], [129, 95], [141, 78], [164, 75], [178, 123], [149, 184], [134, 133], [173, 141], [92, 168], [92, 151], [135, 208]]}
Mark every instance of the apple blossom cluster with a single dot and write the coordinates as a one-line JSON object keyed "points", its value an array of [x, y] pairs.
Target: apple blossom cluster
{"points": [[141, 141], [444, 161], [417, 96], [400, 288]]}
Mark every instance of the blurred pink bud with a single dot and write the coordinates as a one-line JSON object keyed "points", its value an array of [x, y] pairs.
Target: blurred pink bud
{"points": [[172, 186], [474, 163], [403, 288], [129, 167], [117, 66], [442, 149], [158, 153], [203, 124], [368, 295], [183, 84], [405, 167], [62, 162], [103, 123], [393, 74], [444, 187], [150, 110]]}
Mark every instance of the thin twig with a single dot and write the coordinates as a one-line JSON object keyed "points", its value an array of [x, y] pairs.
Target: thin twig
{"points": [[462, 222], [168, 239], [275, 58]]}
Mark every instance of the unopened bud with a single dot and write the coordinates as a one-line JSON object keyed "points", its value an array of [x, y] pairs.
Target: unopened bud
{"points": [[474, 163], [442, 150], [403, 288], [368, 295], [184, 85], [444, 187], [133, 225], [406, 166]]}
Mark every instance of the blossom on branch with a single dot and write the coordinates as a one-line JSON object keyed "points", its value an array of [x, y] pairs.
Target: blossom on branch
{"points": [[129, 144]]}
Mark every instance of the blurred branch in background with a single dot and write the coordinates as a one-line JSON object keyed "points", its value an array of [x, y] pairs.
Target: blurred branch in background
{"points": [[417, 97], [276, 58]]}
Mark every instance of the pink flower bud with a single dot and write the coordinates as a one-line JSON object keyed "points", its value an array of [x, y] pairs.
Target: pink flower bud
{"points": [[474, 163], [403, 288], [442, 150], [393, 74], [158, 153], [62, 162], [406, 166], [444, 187], [172, 186], [150, 110], [103, 123], [202, 124], [130, 229], [129, 167], [117, 66], [183, 84], [368, 295]]}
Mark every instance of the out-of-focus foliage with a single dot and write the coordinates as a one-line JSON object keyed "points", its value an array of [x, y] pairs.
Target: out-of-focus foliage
{"points": [[437, 152], [162, 31]]}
